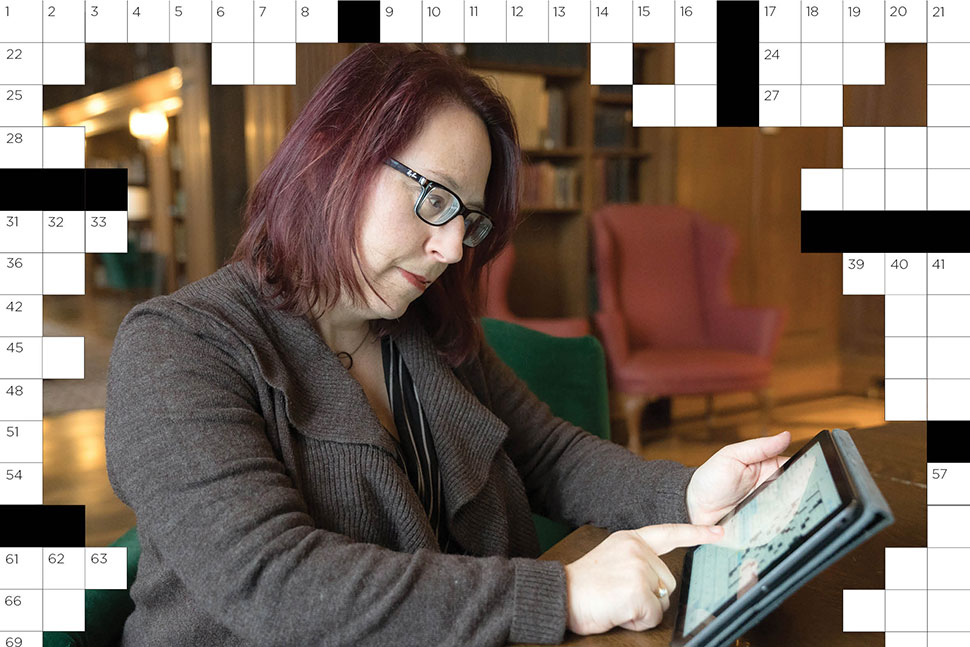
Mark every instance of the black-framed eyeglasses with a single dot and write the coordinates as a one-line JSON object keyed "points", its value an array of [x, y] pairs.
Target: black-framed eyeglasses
{"points": [[437, 205]]}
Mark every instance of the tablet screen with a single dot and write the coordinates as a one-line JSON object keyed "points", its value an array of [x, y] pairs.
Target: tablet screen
{"points": [[782, 514]]}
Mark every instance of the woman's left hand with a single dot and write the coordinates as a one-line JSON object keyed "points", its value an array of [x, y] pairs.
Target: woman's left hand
{"points": [[731, 474]]}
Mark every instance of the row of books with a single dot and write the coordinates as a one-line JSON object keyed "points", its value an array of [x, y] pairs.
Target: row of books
{"points": [[539, 111], [548, 185], [615, 181]]}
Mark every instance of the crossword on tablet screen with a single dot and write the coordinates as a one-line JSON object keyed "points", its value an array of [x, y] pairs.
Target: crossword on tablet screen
{"points": [[892, 211]]}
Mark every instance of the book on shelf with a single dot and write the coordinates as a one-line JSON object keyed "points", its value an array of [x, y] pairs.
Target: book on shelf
{"points": [[613, 127], [613, 180], [529, 102], [549, 185]]}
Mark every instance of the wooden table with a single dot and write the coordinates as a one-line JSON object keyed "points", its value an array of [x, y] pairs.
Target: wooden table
{"points": [[896, 456]]}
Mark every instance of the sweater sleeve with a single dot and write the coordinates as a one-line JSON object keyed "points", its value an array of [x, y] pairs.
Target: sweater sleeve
{"points": [[187, 450], [574, 476]]}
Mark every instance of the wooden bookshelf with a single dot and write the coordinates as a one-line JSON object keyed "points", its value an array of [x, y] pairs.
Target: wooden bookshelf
{"points": [[552, 276]]}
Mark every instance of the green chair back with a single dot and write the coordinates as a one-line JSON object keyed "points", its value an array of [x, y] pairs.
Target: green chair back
{"points": [[568, 374]]}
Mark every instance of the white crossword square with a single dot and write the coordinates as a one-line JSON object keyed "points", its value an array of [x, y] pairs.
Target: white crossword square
{"points": [[64, 610], [106, 232], [64, 568], [948, 357], [864, 64], [863, 22], [22, 25], [64, 273], [107, 22], [486, 23], [695, 63], [947, 484], [22, 442], [64, 23], [63, 358], [946, 526], [232, 21], [905, 190], [863, 189], [780, 23], [653, 105], [63, 231], [863, 147], [28, 105], [21, 274], [822, 22], [569, 22], [697, 22], [863, 273], [780, 63], [905, 315], [274, 23], [863, 610], [654, 23], [696, 105], [822, 105], [275, 63], [64, 147], [148, 23], [906, 274], [948, 147], [906, 148], [906, 568], [27, 639], [947, 399], [21, 314], [232, 63], [905, 357], [906, 24], [611, 63], [905, 400], [821, 189], [22, 568], [943, 63], [611, 21], [24, 483], [946, 105], [25, 149], [527, 22], [949, 274], [23, 64], [64, 64], [897, 639], [24, 360], [946, 315], [106, 568], [948, 568], [191, 22], [26, 616], [400, 22], [949, 23], [947, 189], [948, 612], [784, 107], [22, 232], [905, 610], [821, 63], [442, 22]]}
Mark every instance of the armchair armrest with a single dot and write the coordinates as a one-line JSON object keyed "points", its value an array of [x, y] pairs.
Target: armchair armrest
{"points": [[748, 330], [613, 333]]}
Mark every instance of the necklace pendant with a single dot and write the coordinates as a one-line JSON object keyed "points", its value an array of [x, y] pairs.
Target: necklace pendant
{"points": [[342, 355]]}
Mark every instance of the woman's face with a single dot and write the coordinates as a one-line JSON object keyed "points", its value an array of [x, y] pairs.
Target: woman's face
{"points": [[401, 254]]}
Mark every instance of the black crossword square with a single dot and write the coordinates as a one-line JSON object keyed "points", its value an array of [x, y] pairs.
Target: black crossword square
{"points": [[358, 21]]}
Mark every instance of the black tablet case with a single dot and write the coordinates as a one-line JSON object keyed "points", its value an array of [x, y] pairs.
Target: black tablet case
{"points": [[875, 515]]}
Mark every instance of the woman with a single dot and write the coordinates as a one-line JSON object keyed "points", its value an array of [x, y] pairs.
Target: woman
{"points": [[317, 446]]}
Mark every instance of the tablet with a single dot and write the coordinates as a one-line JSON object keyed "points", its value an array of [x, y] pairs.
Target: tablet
{"points": [[821, 503]]}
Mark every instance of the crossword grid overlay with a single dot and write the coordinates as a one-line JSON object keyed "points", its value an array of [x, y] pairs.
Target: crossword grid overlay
{"points": [[893, 210]]}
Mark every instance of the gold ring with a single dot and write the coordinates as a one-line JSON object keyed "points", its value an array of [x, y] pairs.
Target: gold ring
{"points": [[662, 593]]}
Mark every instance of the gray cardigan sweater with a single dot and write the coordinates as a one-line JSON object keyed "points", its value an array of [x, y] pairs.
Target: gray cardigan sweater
{"points": [[271, 510]]}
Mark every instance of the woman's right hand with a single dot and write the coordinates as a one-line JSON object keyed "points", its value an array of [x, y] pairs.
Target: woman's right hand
{"points": [[616, 583]]}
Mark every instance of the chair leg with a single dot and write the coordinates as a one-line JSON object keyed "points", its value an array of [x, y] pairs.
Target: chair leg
{"points": [[632, 406], [767, 400]]}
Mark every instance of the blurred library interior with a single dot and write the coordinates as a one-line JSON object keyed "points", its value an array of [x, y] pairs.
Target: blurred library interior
{"points": [[709, 222]]}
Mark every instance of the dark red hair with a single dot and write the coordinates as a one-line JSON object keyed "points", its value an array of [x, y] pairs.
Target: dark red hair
{"points": [[302, 213]]}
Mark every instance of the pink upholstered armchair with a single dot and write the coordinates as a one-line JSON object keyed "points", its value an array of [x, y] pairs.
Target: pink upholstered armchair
{"points": [[666, 318], [498, 275]]}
